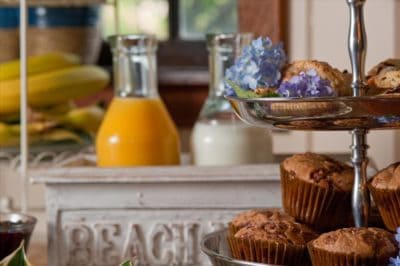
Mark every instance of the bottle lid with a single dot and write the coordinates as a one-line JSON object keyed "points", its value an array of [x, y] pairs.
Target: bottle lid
{"points": [[228, 41], [133, 43]]}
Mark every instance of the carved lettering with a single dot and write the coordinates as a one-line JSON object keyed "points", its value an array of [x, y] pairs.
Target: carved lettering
{"points": [[135, 246], [161, 237], [79, 238], [185, 243], [106, 238], [158, 243]]}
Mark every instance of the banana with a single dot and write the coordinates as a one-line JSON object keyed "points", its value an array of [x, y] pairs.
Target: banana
{"points": [[39, 64], [53, 88], [38, 133], [87, 119]]}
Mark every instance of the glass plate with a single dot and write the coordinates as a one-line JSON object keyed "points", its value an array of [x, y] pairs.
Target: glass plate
{"points": [[325, 113]]}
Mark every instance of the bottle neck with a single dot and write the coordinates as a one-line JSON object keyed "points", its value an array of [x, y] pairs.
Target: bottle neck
{"points": [[219, 60], [135, 74]]}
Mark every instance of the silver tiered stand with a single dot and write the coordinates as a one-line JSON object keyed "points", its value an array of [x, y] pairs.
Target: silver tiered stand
{"points": [[357, 114]]}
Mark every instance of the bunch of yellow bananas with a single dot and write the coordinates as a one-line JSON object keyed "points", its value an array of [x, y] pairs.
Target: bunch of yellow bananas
{"points": [[54, 80]]}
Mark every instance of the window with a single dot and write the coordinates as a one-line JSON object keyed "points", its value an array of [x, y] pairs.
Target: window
{"points": [[185, 19], [181, 25]]}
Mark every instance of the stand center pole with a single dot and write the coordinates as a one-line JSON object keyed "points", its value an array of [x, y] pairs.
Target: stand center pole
{"points": [[357, 50], [360, 197]]}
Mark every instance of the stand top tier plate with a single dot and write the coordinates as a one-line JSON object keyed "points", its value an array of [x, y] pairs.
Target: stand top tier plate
{"points": [[325, 113]]}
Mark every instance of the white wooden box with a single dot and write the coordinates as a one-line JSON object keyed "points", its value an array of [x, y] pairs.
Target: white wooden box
{"points": [[159, 214]]}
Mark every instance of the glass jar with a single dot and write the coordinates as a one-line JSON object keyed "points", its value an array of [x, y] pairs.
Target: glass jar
{"points": [[9, 21], [71, 29], [137, 128], [219, 137]]}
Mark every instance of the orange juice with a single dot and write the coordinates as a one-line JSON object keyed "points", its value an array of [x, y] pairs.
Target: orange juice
{"points": [[137, 131]]}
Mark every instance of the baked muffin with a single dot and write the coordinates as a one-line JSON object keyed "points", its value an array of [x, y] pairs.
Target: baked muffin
{"points": [[385, 189], [384, 77], [316, 190], [282, 242], [339, 81], [256, 217], [353, 247]]}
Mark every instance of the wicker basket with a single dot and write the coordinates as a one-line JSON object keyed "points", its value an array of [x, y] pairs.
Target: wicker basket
{"points": [[68, 29], [64, 26], [8, 33]]}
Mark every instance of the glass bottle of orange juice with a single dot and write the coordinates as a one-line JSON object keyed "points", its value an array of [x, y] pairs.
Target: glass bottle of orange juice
{"points": [[137, 129]]}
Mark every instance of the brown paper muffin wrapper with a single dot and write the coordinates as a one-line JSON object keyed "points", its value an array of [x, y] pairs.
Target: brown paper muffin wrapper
{"points": [[388, 203], [232, 229], [305, 109], [264, 251], [321, 208], [324, 258]]}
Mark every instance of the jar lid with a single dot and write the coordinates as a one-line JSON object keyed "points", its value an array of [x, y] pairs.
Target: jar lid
{"points": [[53, 2], [63, 16], [9, 17], [43, 16]]}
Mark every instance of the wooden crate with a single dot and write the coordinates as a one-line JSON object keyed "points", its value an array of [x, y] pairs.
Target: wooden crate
{"points": [[159, 214]]}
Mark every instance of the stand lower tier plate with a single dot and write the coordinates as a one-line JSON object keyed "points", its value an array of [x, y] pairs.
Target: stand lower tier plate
{"points": [[327, 113], [216, 247]]}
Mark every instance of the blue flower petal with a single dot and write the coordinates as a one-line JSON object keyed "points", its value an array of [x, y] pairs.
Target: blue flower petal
{"points": [[259, 65], [306, 84]]}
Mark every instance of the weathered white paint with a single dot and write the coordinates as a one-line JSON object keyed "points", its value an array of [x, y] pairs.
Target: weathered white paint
{"points": [[101, 216]]}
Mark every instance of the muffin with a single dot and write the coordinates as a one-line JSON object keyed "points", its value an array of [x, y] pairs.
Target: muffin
{"points": [[282, 242], [256, 217], [316, 190], [385, 189], [353, 247], [339, 81], [384, 77]]}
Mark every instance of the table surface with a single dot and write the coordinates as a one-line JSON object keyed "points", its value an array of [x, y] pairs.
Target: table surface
{"points": [[37, 254]]}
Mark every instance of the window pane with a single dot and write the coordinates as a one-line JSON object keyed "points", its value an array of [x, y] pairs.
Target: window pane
{"points": [[198, 17], [137, 16]]}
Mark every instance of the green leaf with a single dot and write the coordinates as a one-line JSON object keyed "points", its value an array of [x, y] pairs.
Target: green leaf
{"points": [[126, 263], [17, 258], [241, 93]]}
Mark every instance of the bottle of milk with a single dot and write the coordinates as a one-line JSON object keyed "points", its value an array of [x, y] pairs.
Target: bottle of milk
{"points": [[219, 137]]}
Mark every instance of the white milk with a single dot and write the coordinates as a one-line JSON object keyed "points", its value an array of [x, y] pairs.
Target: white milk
{"points": [[229, 143]]}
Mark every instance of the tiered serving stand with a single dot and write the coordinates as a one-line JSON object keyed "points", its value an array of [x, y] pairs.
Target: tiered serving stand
{"points": [[358, 113]]}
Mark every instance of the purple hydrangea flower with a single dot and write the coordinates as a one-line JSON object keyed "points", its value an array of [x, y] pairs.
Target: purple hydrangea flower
{"points": [[259, 65], [397, 235], [306, 84], [394, 261]]}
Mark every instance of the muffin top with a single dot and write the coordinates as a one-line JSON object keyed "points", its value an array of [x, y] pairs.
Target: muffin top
{"points": [[321, 170], [388, 178], [258, 217], [281, 232], [384, 76], [339, 81], [366, 242]]}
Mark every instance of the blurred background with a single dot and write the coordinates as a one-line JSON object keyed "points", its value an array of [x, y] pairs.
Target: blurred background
{"points": [[309, 29]]}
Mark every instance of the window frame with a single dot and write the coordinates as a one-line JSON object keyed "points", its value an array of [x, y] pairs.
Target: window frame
{"points": [[183, 72]]}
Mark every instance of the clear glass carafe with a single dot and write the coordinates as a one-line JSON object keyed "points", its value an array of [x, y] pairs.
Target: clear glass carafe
{"points": [[219, 137], [137, 128]]}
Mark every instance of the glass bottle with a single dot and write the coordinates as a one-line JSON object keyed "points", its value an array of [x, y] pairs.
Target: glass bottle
{"points": [[219, 137], [137, 128]]}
